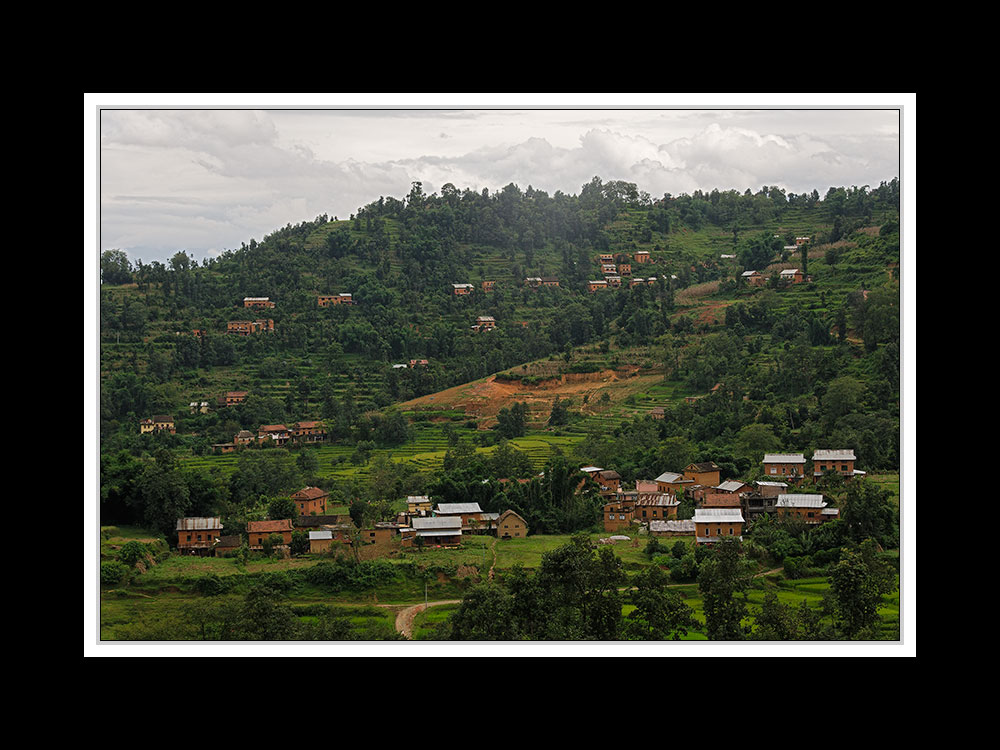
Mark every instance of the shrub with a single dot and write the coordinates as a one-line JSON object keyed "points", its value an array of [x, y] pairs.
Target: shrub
{"points": [[209, 585], [113, 572], [132, 552]]}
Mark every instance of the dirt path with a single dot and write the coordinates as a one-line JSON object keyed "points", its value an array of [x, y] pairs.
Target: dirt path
{"points": [[494, 548], [405, 617]]}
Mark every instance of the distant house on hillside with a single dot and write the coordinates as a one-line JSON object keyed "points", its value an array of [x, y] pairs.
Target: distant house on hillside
{"points": [[791, 275], [533, 281], [711, 524], [311, 500], [835, 462], [754, 278], [593, 286], [789, 466], [460, 289], [511, 526], [443, 530], [258, 531], [276, 432], [197, 535], [418, 504], [249, 327], [308, 432], [344, 298], [641, 256], [488, 285], [670, 481], [258, 303], [470, 514], [810, 509], [159, 423], [550, 281], [485, 323], [231, 398], [801, 240]]}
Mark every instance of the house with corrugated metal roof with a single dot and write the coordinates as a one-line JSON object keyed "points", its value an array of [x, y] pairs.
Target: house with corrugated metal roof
{"points": [[441, 530], [839, 462], [469, 513], [788, 466], [807, 508], [711, 524], [197, 535]]}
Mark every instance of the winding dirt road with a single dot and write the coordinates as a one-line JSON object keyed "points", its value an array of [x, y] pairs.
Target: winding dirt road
{"points": [[404, 620]]}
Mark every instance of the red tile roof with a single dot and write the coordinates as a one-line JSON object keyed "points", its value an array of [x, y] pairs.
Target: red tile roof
{"points": [[284, 524]]}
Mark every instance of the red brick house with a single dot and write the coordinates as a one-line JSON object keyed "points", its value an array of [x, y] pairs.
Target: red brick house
{"points": [[550, 281], [249, 327], [258, 531], [810, 509], [309, 432], [258, 303], [593, 286], [488, 286], [655, 506], [835, 462], [344, 298], [641, 256], [787, 466], [670, 481], [618, 514], [276, 432], [485, 323], [197, 536], [461, 289], [711, 524], [231, 398], [311, 501]]}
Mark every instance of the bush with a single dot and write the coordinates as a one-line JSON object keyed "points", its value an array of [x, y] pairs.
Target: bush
{"points": [[209, 585], [113, 572], [132, 552]]}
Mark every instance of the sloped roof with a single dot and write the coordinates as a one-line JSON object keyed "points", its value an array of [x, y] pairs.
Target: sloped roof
{"points": [[730, 486], [283, 524], [511, 513], [310, 493], [436, 522], [451, 508], [198, 524], [800, 501], [675, 526], [833, 455], [703, 466], [784, 458], [717, 515], [671, 477]]}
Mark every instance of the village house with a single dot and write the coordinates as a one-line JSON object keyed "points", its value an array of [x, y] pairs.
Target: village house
{"points": [[636, 281], [244, 438], [308, 432], [488, 285], [609, 480], [614, 281], [593, 286], [791, 275], [726, 495], [533, 281], [469, 513], [258, 303], [276, 432], [511, 526], [344, 298], [224, 447], [789, 466], [484, 323], [625, 269], [550, 281], [445, 531], [835, 462], [646, 485], [196, 536], [199, 332], [605, 259], [672, 528], [419, 363], [705, 473], [258, 531], [670, 481], [652, 280], [655, 506], [227, 543], [198, 407], [231, 398], [801, 240], [159, 423], [713, 523], [460, 289], [249, 327], [418, 504], [618, 513], [320, 541], [311, 501], [641, 256], [754, 278], [609, 269], [657, 412], [806, 508]]}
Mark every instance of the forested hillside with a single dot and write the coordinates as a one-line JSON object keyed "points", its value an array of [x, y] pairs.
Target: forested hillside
{"points": [[812, 364]]}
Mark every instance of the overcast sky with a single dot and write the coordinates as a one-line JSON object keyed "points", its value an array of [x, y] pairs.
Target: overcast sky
{"points": [[206, 180]]}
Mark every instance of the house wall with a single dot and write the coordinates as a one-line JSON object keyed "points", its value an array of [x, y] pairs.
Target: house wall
{"points": [[730, 529], [257, 537], [845, 468], [512, 527], [783, 471]]}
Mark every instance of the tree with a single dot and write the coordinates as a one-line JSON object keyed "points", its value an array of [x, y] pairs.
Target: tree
{"points": [[858, 583], [282, 507], [115, 267], [511, 422], [300, 542], [869, 514], [263, 617], [659, 614], [723, 579], [560, 413]]}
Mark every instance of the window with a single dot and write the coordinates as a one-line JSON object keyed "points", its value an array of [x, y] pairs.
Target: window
{"points": [[774, 470], [730, 531]]}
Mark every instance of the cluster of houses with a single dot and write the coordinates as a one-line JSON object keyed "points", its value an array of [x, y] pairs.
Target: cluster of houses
{"points": [[250, 327], [301, 433], [787, 276], [722, 507], [533, 282], [421, 524]]}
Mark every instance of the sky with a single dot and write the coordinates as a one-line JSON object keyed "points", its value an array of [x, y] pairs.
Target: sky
{"points": [[204, 174]]}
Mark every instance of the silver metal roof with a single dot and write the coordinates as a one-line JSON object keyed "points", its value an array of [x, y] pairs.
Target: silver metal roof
{"points": [[730, 486], [198, 524], [437, 522], [684, 526], [717, 515], [784, 458], [800, 501], [320, 535], [450, 508], [833, 455]]}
